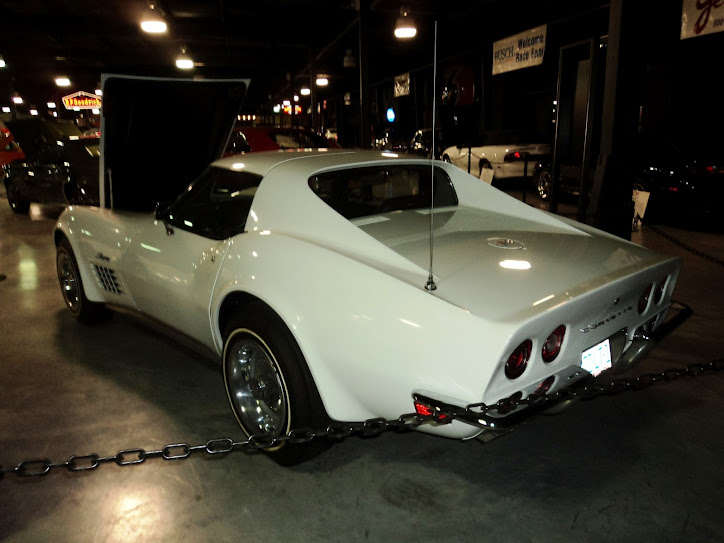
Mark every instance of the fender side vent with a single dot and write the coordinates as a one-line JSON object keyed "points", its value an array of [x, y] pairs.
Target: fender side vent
{"points": [[106, 278]]}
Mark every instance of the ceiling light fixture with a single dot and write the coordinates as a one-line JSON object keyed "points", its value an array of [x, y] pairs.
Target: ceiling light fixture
{"points": [[62, 81], [322, 80], [17, 99], [304, 91], [183, 61], [2, 62], [405, 27], [152, 20]]}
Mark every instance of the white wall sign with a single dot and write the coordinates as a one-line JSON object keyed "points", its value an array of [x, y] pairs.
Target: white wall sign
{"points": [[520, 51], [700, 17]]}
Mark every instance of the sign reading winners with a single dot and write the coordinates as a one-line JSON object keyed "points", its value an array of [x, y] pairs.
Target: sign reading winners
{"points": [[520, 51]]}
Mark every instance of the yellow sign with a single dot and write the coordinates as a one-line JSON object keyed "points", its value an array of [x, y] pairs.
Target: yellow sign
{"points": [[82, 100]]}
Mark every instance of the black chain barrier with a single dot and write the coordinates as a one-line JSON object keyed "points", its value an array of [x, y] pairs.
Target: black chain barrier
{"points": [[370, 427], [685, 246]]}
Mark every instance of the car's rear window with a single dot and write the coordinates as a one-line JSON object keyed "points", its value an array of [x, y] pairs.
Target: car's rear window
{"points": [[361, 192]]}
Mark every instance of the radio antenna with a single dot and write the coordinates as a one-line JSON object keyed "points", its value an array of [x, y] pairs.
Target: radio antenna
{"points": [[430, 285]]}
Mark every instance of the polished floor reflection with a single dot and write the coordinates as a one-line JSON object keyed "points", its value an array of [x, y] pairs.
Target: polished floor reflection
{"points": [[638, 466]]}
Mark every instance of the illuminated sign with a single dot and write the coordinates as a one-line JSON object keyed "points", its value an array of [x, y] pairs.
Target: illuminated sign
{"points": [[82, 100], [402, 85]]}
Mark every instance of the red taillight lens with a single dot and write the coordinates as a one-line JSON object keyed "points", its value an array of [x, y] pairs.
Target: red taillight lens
{"points": [[545, 386], [427, 411], [552, 345], [644, 299], [660, 289], [518, 360], [513, 157]]}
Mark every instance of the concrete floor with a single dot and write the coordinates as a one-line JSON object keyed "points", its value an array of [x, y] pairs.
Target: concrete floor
{"points": [[642, 466]]}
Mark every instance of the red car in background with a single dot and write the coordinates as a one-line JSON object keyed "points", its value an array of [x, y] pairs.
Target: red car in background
{"points": [[245, 139], [9, 149]]}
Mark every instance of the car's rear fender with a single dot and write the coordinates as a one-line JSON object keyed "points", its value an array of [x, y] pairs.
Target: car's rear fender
{"points": [[369, 339]]}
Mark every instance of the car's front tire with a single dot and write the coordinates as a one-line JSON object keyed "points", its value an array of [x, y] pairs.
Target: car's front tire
{"points": [[15, 199], [268, 383], [71, 287]]}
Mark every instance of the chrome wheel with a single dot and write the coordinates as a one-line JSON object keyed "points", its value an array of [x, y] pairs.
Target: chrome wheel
{"points": [[255, 385], [544, 183], [69, 284]]}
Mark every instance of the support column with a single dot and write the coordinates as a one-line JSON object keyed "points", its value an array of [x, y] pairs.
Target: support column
{"points": [[611, 206], [364, 117]]}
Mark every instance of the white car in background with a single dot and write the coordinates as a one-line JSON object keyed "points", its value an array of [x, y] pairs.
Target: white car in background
{"points": [[500, 156], [309, 274]]}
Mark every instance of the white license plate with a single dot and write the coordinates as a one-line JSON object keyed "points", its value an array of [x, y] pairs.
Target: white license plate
{"points": [[597, 358]]}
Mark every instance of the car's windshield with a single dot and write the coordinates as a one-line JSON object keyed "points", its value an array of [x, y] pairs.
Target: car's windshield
{"points": [[216, 205], [361, 192]]}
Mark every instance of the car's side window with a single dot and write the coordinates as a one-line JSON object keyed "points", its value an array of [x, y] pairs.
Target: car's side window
{"points": [[216, 205]]}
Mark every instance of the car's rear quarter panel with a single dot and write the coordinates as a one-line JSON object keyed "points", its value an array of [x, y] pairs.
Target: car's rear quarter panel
{"points": [[369, 339]]}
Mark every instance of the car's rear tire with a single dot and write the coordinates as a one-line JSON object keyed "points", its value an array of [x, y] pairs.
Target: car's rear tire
{"points": [[544, 183], [268, 383], [71, 287], [17, 203]]}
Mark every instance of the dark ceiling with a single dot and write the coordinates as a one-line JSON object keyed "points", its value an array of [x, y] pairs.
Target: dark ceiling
{"points": [[272, 42]]}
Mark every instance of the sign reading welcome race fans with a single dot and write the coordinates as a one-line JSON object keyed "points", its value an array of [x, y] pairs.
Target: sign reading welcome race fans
{"points": [[82, 100], [520, 51]]}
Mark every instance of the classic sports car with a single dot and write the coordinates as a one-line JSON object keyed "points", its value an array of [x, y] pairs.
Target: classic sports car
{"points": [[505, 153], [333, 288], [245, 139], [59, 166]]}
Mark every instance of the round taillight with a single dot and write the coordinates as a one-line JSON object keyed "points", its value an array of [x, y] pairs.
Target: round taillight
{"points": [[552, 345], [518, 360], [659, 292], [644, 299]]}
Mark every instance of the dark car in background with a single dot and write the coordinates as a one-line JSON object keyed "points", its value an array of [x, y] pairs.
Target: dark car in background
{"points": [[60, 166], [421, 143], [246, 139], [684, 180]]}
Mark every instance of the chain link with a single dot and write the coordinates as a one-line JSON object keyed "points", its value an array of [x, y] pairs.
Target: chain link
{"points": [[370, 427], [685, 246]]}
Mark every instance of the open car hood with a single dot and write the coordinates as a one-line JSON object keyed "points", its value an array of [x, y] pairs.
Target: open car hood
{"points": [[159, 134]]}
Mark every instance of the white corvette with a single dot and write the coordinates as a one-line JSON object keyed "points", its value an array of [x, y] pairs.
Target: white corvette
{"points": [[331, 289], [498, 158]]}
